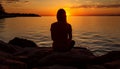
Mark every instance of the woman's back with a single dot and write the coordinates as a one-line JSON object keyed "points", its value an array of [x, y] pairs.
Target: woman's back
{"points": [[60, 31]]}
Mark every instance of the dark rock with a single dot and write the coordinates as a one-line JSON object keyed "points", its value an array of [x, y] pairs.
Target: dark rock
{"points": [[8, 47], [34, 52], [31, 55], [38, 54], [11, 64], [56, 67], [95, 67], [72, 58], [6, 55], [23, 54], [109, 57], [22, 42], [82, 51], [3, 66], [2, 11], [113, 65]]}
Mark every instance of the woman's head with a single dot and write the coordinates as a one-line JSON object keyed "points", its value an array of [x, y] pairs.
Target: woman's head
{"points": [[61, 15]]}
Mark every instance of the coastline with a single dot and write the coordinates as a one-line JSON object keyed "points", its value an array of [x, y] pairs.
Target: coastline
{"points": [[4, 14], [10, 15]]}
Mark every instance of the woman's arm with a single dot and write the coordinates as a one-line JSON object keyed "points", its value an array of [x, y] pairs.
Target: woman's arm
{"points": [[70, 33]]}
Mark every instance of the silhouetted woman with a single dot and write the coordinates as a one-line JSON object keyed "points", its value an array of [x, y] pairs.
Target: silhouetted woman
{"points": [[61, 33]]}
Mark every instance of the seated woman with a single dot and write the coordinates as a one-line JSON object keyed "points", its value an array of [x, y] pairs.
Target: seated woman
{"points": [[61, 33]]}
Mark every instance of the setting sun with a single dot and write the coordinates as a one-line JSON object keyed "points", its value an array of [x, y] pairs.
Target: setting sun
{"points": [[67, 11]]}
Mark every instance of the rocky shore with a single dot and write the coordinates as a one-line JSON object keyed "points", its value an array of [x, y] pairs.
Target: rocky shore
{"points": [[25, 54]]}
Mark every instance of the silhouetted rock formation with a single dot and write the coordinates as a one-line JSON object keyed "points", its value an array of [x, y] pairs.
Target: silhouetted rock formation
{"points": [[27, 57], [22, 42], [5, 47], [2, 11]]}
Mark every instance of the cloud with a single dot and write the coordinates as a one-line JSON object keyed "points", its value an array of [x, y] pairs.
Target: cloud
{"points": [[97, 6], [9, 0], [13, 1]]}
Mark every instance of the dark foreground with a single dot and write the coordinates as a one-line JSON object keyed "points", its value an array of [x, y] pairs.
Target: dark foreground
{"points": [[25, 54]]}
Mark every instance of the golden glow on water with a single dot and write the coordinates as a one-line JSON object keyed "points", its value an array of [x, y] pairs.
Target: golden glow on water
{"points": [[103, 24], [38, 26]]}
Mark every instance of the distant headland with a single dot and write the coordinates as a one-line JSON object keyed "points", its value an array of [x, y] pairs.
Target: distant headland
{"points": [[4, 14]]}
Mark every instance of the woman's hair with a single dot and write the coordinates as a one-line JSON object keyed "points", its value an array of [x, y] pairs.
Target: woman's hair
{"points": [[61, 15]]}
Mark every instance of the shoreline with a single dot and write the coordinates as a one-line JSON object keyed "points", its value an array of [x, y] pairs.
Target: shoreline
{"points": [[20, 15]]}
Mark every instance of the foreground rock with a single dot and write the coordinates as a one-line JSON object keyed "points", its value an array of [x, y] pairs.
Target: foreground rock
{"points": [[25, 54], [11, 64], [5, 47], [22, 42]]}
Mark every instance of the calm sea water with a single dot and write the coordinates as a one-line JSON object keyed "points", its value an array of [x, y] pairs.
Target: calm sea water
{"points": [[100, 34]]}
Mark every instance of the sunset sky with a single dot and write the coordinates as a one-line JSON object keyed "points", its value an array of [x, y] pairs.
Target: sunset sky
{"points": [[72, 7]]}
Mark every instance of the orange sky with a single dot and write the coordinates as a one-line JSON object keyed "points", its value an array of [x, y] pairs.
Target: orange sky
{"points": [[72, 7]]}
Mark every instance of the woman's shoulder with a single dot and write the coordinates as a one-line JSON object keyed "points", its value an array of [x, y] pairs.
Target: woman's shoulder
{"points": [[68, 24], [54, 23]]}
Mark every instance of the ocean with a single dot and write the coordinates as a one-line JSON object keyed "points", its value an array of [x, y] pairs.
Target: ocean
{"points": [[100, 34]]}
